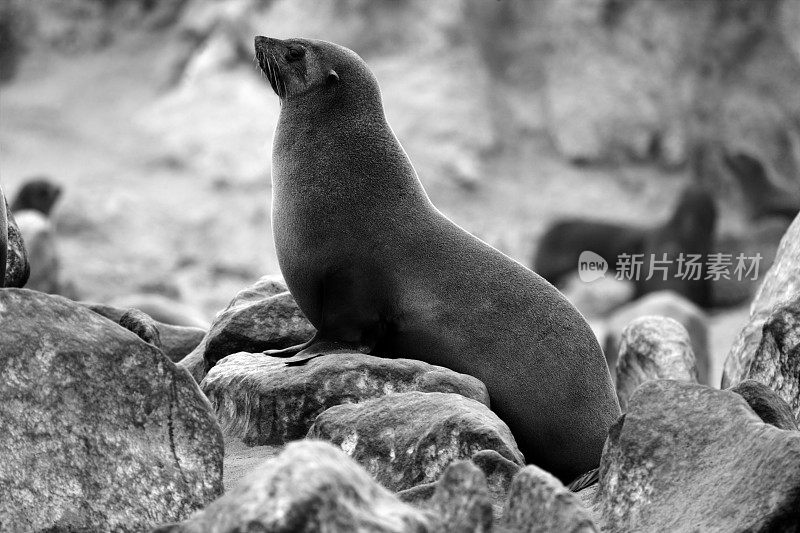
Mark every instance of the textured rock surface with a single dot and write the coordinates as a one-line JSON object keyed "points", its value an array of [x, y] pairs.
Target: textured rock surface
{"points": [[310, 486], [780, 285], [17, 267], [667, 304], [766, 403], [176, 341], [538, 502], [653, 347], [777, 359], [142, 325], [409, 438], [262, 401], [461, 500], [687, 457], [101, 431], [261, 317]]}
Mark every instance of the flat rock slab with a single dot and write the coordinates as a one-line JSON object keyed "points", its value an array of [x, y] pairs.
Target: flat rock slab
{"points": [[687, 457], [780, 285], [261, 400], [410, 438], [653, 347], [310, 486], [101, 432]]}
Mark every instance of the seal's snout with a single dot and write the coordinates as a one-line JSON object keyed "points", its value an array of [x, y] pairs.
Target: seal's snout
{"points": [[267, 56]]}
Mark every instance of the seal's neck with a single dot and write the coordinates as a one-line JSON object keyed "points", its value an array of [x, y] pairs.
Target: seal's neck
{"points": [[343, 154]]}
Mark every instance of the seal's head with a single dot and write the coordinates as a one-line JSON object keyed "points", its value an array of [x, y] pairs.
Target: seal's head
{"points": [[39, 194], [298, 68]]}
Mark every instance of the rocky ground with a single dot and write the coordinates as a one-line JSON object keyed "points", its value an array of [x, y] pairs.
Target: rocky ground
{"points": [[98, 414]]}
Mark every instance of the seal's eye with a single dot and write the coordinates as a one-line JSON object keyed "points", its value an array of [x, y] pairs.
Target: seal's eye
{"points": [[333, 77], [294, 54]]}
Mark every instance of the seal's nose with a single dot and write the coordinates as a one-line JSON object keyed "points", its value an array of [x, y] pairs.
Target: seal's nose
{"points": [[264, 43]]}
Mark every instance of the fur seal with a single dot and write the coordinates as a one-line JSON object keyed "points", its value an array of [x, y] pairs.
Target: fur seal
{"points": [[376, 267], [690, 229], [38, 194]]}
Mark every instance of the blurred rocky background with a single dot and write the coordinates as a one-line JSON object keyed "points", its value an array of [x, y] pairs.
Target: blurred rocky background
{"points": [[154, 119]]}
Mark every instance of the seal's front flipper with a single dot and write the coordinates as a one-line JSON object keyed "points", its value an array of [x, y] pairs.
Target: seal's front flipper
{"points": [[320, 348], [291, 351]]}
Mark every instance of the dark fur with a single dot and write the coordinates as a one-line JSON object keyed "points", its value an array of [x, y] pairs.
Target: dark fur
{"points": [[762, 195], [39, 194], [562, 244], [690, 229], [376, 267]]}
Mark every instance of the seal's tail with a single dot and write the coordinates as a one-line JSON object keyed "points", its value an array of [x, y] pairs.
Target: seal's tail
{"points": [[586, 480]]}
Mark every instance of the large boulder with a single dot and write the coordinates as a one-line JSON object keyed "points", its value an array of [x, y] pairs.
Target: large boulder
{"points": [[101, 431], [776, 362], [653, 347], [686, 457], [176, 341], [310, 486], [539, 503], [667, 304], [261, 400], [409, 438], [261, 317], [780, 285], [18, 268]]}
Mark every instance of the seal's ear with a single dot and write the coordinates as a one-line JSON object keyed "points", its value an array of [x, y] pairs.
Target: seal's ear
{"points": [[333, 78]]}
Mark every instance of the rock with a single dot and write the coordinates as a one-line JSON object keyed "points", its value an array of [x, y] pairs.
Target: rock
{"points": [[499, 473], [261, 317], [777, 359], [101, 431], [770, 407], [653, 347], [409, 438], [461, 500], [162, 308], [176, 341], [18, 268], [687, 457], [310, 486], [667, 304], [241, 460], [261, 400], [40, 242], [538, 502], [779, 285], [142, 325]]}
